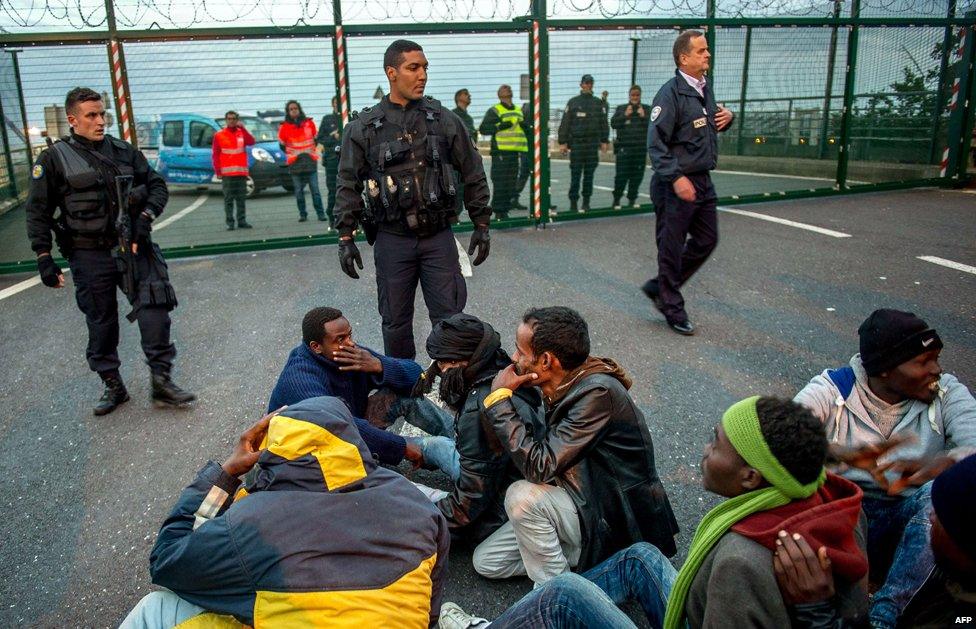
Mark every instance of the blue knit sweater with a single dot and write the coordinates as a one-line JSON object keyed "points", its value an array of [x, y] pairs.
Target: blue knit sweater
{"points": [[307, 374]]}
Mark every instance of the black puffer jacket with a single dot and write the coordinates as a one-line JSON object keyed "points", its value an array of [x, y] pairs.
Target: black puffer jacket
{"points": [[476, 506], [596, 447]]}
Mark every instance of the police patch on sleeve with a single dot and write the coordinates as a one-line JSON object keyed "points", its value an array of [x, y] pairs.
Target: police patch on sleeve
{"points": [[655, 112], [37, 172]]}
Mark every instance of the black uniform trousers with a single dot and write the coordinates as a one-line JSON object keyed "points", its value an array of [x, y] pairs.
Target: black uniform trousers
{"points": [[582, 163], [97, 281], [687, 233], [235, 192], [504, 176], [330, 161], [631, 163], [400, 262], [525, 173]]}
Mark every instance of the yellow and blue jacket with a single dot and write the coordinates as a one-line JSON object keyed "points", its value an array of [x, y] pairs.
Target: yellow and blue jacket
{"points": [[319, 537]]}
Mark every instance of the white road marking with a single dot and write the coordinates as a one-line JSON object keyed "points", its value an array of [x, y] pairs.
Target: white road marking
{"points": [[608, 189], [10, 291], [172, 219], [783, 221], [959, 266], [466, 270]]}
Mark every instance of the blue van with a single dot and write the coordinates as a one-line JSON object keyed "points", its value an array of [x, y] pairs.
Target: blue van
{"points": [[185, 152]]}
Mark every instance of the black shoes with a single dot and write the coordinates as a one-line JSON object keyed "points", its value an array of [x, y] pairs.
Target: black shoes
{"points": [[302, 219], [684, 328], [244, 225], [230, 227], [586, 205], [573, 205], [518, 206], [113, 396], [165, 393]]}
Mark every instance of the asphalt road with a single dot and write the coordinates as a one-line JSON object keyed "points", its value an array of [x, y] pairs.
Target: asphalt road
{"points": [[196, 216], [83, 497]]}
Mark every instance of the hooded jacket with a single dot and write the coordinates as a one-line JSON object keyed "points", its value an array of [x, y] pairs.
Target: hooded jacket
{"points": [[736, 586], [301, 546], [947, 424], [597, 447]]}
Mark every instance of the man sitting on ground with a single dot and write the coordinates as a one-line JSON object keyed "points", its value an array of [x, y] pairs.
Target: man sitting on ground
{"points": [[328, 362], [895, 389], [590, 485], [767, 457], [301, 545], [467, 354]]}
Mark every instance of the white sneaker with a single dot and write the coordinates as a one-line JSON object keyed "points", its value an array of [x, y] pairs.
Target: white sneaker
{"points": [[616, 206], [453, 617]]}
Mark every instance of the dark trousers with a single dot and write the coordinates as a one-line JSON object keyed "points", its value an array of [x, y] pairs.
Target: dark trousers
{"points": [[582, 163], [686, 233], [330, 161], [504, 176], [525, 173], [400, 262], [630, 173], [235, 191], [97, 280]]}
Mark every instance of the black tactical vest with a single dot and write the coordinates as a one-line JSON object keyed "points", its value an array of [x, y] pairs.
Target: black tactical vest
{"points": [[411, 179], [88, 210]]}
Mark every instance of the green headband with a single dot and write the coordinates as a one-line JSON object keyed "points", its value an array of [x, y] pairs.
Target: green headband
{"points": [[741, 424]]}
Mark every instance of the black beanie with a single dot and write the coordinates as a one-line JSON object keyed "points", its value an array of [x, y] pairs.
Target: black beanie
{"points": [[891, 337], [954, 502]]}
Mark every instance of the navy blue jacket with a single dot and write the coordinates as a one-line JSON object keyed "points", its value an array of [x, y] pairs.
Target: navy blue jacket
{"points": [[307, 374], [682, 137], [301, 545]]}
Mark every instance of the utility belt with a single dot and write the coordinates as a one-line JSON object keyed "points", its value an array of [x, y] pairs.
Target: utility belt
{"points": [[412, 185], [77, 241]]}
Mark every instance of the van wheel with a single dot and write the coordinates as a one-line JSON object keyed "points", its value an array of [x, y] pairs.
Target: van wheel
{"points": [[250, 188]]}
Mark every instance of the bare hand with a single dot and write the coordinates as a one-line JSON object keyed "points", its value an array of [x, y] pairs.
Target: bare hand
{"points": [[604, 146], [723, 118], [915, 472], [865, 456], [335, 134], [507, 378], [629, 110], [353, 358], [249, 446], [803, 576], [684, 189], [319, 149], [640, 111], [564, 148], [414, 454]]}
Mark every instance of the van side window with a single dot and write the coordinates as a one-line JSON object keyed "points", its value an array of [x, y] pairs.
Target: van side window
{"points": [[173, 133], [201, 135]]}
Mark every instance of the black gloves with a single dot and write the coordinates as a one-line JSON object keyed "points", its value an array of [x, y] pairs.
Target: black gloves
{"points": [[49, 271], [138, 197], [348, 253], [143, 227], [481, 241]]}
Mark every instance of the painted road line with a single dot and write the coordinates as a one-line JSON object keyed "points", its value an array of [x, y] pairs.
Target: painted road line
{"points": [[608, 189], [10, 291], [166, 222], [959, 266], [783, 221], [466, 270]]}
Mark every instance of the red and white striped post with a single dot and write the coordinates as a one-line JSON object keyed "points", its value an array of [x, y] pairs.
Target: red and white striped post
{"points": [[536, 127], [342, 78], [954, 99], [120, 89]]}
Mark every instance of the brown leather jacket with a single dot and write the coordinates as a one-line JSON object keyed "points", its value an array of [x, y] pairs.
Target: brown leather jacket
{"points": [[596, 447]]}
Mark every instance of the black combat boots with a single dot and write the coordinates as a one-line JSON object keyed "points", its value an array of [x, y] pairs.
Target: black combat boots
{"points": [[586, 205], [114, 395], [165, 393]]}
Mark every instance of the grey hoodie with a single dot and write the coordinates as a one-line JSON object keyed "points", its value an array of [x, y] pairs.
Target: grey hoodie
{"points": [[948, 424]]}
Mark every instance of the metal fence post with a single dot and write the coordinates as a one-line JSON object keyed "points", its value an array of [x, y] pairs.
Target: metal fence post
{"points": [[120, 78], [539, 63], [23, 107], [339, 65], [710, 38], [11, 179], [961, 107], [633, 61], [742, 91], [940, 94], [829, 87], [844, 154]]}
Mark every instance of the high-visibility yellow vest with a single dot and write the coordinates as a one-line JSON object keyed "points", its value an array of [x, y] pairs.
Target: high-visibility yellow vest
{"points": [[512, 139]]}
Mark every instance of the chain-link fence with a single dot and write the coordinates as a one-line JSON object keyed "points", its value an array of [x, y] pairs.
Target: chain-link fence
{"points": [[829, 96]]}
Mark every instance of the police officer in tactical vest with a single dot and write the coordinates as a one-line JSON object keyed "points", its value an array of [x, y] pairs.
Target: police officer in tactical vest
{"points": [[683, 144], [95, 192], [582, 131], [400, 157]]}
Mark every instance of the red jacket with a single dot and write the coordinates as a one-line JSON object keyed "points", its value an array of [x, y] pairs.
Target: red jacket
{"points": [[298, 139], [229, 152]]}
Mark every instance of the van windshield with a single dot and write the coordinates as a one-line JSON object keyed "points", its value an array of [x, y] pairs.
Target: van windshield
{"points": [[261, 130]]}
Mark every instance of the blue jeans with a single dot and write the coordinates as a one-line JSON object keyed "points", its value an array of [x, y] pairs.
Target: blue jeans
{"points": [[312, 179], [898, 535], [438, 450], [160, 610], [639, 573]]}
